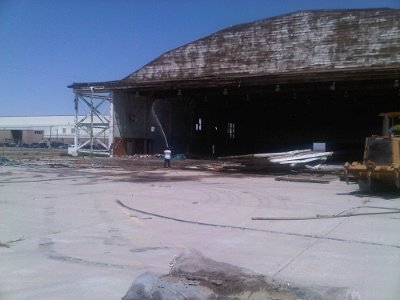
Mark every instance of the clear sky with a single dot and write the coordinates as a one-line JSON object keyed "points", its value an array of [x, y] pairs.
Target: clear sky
{"points": [[46, 45]]}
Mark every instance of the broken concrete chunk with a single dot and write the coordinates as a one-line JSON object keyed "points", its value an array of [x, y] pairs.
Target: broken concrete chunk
{"points": [[223, 281], [151, 287], [219, 276]]}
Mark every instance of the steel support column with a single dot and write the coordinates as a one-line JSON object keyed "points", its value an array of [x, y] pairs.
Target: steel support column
{"points": [[93, 120], [111, 127]]}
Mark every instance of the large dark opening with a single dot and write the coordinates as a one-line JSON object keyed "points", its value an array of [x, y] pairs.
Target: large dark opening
{"points": [[254, 119]]}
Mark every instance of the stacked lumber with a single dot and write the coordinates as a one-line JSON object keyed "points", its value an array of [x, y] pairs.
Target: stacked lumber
{"points": [[290, 159]]}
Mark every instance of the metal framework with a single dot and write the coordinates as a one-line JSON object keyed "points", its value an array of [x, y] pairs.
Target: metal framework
{"points": [[95, 124]]}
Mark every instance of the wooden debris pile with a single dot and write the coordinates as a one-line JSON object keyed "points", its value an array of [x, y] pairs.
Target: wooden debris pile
{"points": [[281, 160]]}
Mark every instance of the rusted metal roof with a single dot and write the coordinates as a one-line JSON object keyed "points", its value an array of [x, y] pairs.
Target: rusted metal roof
{"points": [[304, 42]]}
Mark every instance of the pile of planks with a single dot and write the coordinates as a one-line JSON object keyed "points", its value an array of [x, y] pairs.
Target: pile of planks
{"points": [[291, 159]]}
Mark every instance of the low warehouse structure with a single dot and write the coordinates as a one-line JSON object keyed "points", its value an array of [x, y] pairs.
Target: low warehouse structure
{"points": [[20, 130], [270, 85]]}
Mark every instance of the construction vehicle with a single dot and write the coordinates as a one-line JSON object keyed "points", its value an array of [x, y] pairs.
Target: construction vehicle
{"points": [[381, 163]]}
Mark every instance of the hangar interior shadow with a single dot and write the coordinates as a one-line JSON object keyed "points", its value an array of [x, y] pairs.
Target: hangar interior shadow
{"points": [[255, 119]]}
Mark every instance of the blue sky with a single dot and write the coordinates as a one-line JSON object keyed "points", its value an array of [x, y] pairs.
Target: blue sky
{"points": [[46, 45]]}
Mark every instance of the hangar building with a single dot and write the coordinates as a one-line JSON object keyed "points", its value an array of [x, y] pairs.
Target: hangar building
{"points": [[276, 84]]}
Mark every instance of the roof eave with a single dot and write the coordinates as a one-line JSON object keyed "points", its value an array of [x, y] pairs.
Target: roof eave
{"points": [[248, 80]]}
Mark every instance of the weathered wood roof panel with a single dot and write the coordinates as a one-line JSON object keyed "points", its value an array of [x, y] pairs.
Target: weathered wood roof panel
{"points": [[306, 41]]}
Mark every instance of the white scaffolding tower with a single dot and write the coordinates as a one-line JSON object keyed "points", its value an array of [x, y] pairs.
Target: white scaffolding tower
{"points": [[96, 123]]}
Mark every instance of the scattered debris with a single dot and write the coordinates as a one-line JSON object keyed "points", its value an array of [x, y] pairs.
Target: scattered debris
{"points": [[7, 244], [60, 165], [4, 161], [194, 276], [261, 162], [205, 167], [179, 156], [282, 160], [306, 178], [143, 156], [349, 213], [36, 163]]}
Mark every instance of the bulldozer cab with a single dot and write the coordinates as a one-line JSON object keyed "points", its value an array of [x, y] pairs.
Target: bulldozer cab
{"points": [[391, 123], [381, 150]]}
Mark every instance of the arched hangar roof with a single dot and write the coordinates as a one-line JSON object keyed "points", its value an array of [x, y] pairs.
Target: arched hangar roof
{"points": [[300, 41], [303, 42]]}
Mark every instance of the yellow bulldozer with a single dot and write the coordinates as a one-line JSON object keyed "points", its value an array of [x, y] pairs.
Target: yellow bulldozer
{"points": [[380, 168]]}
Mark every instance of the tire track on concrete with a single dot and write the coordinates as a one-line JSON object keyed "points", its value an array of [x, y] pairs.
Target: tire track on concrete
{"points": [[47, 244]]}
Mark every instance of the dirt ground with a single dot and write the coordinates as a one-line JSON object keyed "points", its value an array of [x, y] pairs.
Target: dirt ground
{"points": [[59, 158], [86, 228]]}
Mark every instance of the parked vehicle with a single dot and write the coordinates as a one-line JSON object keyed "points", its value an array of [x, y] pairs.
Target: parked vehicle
{"points": [[59, 145], [381, 163], [39, 145]]}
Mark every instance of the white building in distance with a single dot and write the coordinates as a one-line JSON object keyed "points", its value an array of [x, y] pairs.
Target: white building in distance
{"points": [[42, 129]]}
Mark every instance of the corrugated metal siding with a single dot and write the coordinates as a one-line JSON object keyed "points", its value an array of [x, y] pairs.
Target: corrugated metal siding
{"points": [[302, 41]]}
